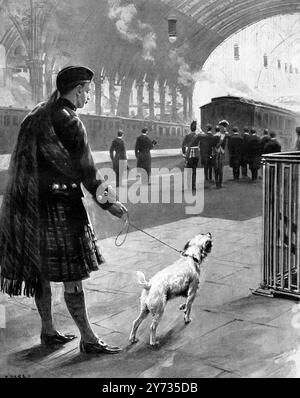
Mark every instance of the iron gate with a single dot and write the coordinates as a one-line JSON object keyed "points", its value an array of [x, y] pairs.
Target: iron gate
{"points": [[281, 224]]}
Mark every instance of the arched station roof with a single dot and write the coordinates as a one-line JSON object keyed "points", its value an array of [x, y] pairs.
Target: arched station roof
{"points": [[213, 21]]}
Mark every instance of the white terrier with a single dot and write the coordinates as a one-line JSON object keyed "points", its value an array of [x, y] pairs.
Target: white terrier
{"points": [[179, 279]]}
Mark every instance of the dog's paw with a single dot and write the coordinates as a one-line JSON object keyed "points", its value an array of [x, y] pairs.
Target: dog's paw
{"points": [[187, 320], [182, 307]]}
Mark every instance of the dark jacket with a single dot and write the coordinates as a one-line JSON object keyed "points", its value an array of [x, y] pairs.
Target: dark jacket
{"points": [[117, 151], [235, 147], [143, 147], [272, 146], [245, 155], [264, 140], [189, 140], [254, 151], [207, 143]]}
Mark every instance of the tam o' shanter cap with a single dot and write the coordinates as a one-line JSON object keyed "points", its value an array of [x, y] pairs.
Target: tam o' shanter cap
{"points": [[72, 75]]}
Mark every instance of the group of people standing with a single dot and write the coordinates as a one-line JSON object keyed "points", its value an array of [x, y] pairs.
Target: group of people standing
{"points": [[245, 151], [142, 150]]}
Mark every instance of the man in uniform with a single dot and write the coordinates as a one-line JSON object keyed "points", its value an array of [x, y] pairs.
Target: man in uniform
{"points": [[235, 145], [143, 147], [254, 153], [206, 146], [118, 157], [45, 234], [190, 149], [245, 157]]}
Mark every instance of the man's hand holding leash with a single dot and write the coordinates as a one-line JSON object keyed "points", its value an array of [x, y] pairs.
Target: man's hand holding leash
{"points": [[116, 208]]}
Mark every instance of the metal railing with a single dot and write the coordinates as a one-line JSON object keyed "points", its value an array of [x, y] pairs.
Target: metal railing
{"points": [[281, 224]]}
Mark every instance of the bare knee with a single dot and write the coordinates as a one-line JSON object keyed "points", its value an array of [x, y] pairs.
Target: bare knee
{"points": [[73, 287]]}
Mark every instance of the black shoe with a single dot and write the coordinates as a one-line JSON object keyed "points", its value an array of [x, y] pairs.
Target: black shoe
{"points": [[98, 348], [56, 339]]}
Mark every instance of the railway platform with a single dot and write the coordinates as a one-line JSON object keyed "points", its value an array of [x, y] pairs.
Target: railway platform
{"points": [[233, 333]]}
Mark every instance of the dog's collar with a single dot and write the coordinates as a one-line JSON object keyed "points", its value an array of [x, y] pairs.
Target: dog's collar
{"points": [[193, 257]]}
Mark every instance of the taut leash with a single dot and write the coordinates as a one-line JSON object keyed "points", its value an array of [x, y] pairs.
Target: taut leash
{"points": [[125, 229]]}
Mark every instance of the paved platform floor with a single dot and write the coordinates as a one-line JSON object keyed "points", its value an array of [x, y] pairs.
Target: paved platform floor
{"points": [[233, 333]]}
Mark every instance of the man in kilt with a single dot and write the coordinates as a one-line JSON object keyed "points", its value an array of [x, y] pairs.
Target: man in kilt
{"points": [[44, 230]]}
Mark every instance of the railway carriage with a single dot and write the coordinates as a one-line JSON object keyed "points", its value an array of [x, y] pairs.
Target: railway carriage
{"points": [[101, 130], [243, 112]]}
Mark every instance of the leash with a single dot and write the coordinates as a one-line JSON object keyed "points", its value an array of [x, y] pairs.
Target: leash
{"points": [[125, 229]]}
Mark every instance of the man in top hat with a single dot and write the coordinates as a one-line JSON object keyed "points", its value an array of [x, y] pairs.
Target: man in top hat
{"points": [[272, 146], [45, 234], [143, 147], [254, 153], [235, 146], [297, 145], [118, 157]]}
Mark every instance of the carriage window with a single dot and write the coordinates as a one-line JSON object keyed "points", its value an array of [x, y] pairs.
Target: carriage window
{"points": [[280, 122], [173, 131], [15, 120], [161, 131], [111, 125], [178, 131], [167, 130], [6, 120]]}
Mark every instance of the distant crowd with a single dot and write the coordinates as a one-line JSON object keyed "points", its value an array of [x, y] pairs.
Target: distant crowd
{"points": [[245, 150]]}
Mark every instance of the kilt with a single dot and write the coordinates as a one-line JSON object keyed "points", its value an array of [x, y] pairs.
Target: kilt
{"points": [[68, 252]]}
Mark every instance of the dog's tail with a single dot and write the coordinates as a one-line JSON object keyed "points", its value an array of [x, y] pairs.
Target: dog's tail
{"points": [[142, 280]]}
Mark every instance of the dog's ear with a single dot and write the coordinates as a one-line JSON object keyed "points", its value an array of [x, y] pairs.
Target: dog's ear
{"points": [[186, 245]]}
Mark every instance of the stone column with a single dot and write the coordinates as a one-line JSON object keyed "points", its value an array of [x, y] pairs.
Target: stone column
{"points": [[98, 93], [174, 103], [36, 79], [112, 95], [190, 107], [123, 103], [140, 99], [151, 98], [162, 99], [185, 107]]}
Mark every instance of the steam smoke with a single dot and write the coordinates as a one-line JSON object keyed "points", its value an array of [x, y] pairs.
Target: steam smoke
{"points": [[185, 76], [131, 28]]}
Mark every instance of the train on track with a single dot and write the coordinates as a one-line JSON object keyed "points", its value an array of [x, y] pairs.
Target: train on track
{"points": [[100, 130], [243, 112]]}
